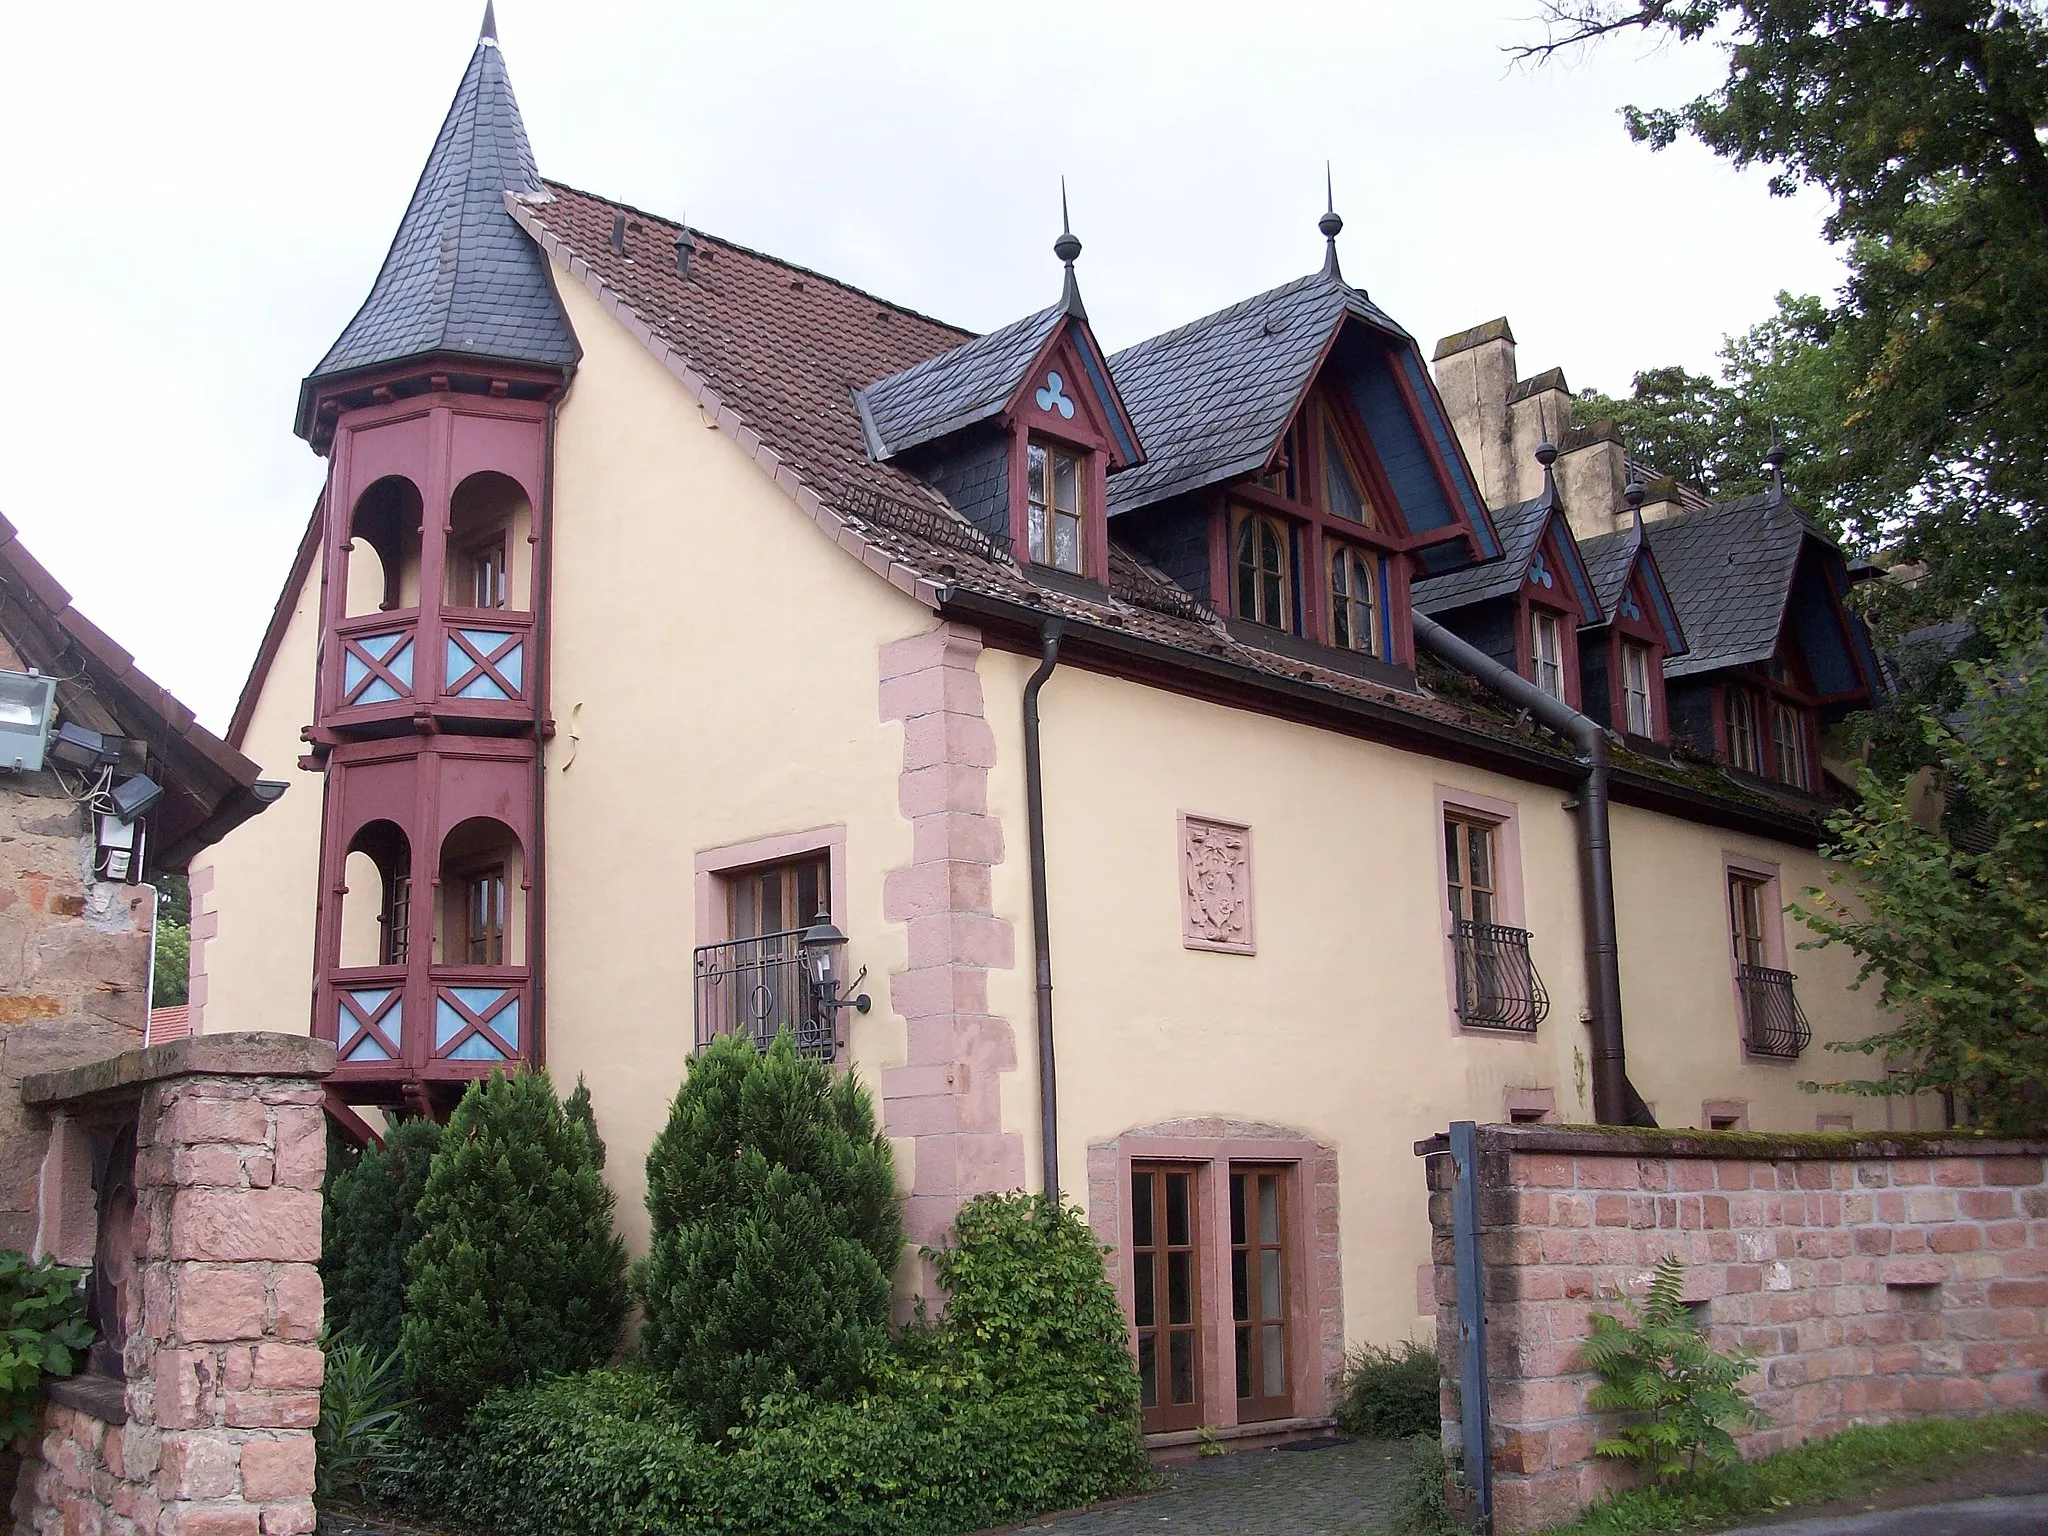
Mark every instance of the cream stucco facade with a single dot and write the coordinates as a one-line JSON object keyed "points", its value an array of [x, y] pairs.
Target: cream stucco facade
{"points": [[726, 682]]}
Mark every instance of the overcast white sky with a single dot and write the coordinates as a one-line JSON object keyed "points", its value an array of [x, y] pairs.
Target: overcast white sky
{"points": [[199, 197]]}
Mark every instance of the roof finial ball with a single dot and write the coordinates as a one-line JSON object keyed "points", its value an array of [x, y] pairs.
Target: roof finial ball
{"points": [[1068, 246], [1546, 454], [1633, 494], [1774, 461], [1331, 223]]}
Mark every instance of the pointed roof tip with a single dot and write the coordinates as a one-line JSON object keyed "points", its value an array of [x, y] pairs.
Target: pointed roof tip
{"points": [[1332, 225], [1068, 249], [488, 33], [1546, 455]]}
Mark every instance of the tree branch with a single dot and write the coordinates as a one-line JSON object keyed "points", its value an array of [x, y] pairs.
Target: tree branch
{"points": [[1586, 21]]}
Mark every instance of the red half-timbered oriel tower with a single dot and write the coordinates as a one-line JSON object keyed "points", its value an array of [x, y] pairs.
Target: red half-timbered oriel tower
{"points": [[434, 410]]}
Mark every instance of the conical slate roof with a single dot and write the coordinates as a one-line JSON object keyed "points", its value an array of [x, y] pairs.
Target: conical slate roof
{"points": [[461, 277]]}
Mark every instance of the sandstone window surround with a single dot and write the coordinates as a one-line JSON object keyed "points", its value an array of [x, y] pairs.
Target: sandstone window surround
{"points": [[1216, 911], [750, 899]]}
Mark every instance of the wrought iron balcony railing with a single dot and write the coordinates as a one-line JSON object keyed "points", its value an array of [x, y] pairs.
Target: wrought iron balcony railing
{"points": [[1772, 1021], [758, 987], [1498, 987]]}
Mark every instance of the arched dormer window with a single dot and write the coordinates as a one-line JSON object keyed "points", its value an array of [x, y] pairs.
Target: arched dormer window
{"points": [[1264, 577], [1355, 599]]}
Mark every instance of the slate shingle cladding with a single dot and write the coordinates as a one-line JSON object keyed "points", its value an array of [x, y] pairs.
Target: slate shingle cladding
{"points": [[1519, 527], [1729, 570], [956, 389], [461, 277]]}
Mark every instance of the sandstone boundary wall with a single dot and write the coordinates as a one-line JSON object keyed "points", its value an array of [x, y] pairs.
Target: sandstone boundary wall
{"points": [[1873, 1278], [211, 1432]]}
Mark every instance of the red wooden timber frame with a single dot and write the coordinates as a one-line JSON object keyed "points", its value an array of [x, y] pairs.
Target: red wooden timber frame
{"points": [[1089, 436], [1560, 604], [429, 761], [1311, 524], [1647, 633]]}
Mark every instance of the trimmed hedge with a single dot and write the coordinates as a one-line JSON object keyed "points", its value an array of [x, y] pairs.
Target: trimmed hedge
{"points": [[1021, 1400]]}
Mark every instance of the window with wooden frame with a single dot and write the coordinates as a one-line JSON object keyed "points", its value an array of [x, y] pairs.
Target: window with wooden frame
{"points": [[395, 921], [1637, 715], [483, 916], [1055, 479], [777, 898], [1261, 1276], [1748, 902], [1265, 570], [1788, 743], [1546, 652], [1342, 485], [486, 564], [1745, 731], [1281, 478], [1469, 868], [1354, 598], [1166, 1294]]}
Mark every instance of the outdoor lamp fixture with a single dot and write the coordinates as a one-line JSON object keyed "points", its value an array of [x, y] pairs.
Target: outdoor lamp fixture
{"points": [[820, 947], [27, 703], [80, 747], [135, 797]]}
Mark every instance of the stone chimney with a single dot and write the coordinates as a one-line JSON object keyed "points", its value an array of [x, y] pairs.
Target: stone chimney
{"points": [[1475, 370], [1592, 471], [1498, 417]]}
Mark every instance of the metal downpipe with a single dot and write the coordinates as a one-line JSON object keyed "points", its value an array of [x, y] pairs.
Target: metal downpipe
{"points": [[1041, 921], [1611, 1093]]}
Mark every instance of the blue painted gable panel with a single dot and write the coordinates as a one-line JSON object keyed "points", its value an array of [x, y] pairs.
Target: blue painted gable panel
{"points": [[1447, 449], [1399, 445], [1820, 638]]}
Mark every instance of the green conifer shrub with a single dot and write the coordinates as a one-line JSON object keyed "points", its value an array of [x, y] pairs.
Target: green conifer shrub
{"points": [[517, 1274], [775, 1225], [371, 1223], [578, 1108]]}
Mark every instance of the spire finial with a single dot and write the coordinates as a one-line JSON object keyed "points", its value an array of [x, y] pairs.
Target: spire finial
{"points": [[1774, 461], [1546, 455], [1633, 493], [1331, 224], [1068, 249], [489, 32]]}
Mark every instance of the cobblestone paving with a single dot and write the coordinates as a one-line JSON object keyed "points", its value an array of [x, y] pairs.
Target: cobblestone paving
{"points": [[1344, 1488]]}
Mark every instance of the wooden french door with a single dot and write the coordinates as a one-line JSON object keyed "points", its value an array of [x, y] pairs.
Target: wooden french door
{"points": [[1260, 1280], [1166, 1293]]}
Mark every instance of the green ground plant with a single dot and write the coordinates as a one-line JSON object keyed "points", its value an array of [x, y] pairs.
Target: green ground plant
{"points": [[1856, 1464], [360, 1438], [1682, 1395], [1389, 1393], [43, 1331], [1424, 1506], [371, 1224], [772, 1201], [517, 1274]]}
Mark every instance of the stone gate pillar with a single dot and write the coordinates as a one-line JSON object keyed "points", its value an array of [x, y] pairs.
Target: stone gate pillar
{"points": [[204, 1272]]}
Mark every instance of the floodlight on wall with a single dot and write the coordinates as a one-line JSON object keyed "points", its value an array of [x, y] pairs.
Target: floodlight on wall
{"points": [[134, 797], [80, 747], [27, 706]]}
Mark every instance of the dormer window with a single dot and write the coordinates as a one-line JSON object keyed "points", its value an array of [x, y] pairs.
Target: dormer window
{"points": [[1546, 652], [1788, 737], [1054, 534], [487, 573], [1635, 689], [1264, 577], [1355, 599]]}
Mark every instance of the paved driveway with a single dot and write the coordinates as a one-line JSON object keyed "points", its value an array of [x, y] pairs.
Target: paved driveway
{"points": [[2024, 1516], [1323, 1488]]}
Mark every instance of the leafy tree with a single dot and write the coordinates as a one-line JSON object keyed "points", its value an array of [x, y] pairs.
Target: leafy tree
{"points": [[1953, 921], [775, 1226], [1656, 1366], [371, 1224], [171, 980], [516, 1273], [1921, 119]]}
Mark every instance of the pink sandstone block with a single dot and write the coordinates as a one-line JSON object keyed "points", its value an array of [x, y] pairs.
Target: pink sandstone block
{"points": [[297, 1519], [219, 1520], [301, 1148], [288, 1367], [220, 1304], [246, 1225], [196, 1466], [301, 1303], [184, 1382], [273, 1410], [278, 1469], [207, 1163], [2012, 1170], [207, 1119], [956, 835], [1955, 1239], [1958, 1172]]}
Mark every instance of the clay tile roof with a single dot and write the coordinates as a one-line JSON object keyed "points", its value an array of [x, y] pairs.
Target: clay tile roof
{"points": [[460, 277], [942, 394]]}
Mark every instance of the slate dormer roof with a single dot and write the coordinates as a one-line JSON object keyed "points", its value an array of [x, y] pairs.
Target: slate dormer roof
{"points": [[943, 394], [1521, 529], [1211, 398], [1729, 568], [1611, 559], [461, 277]]}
